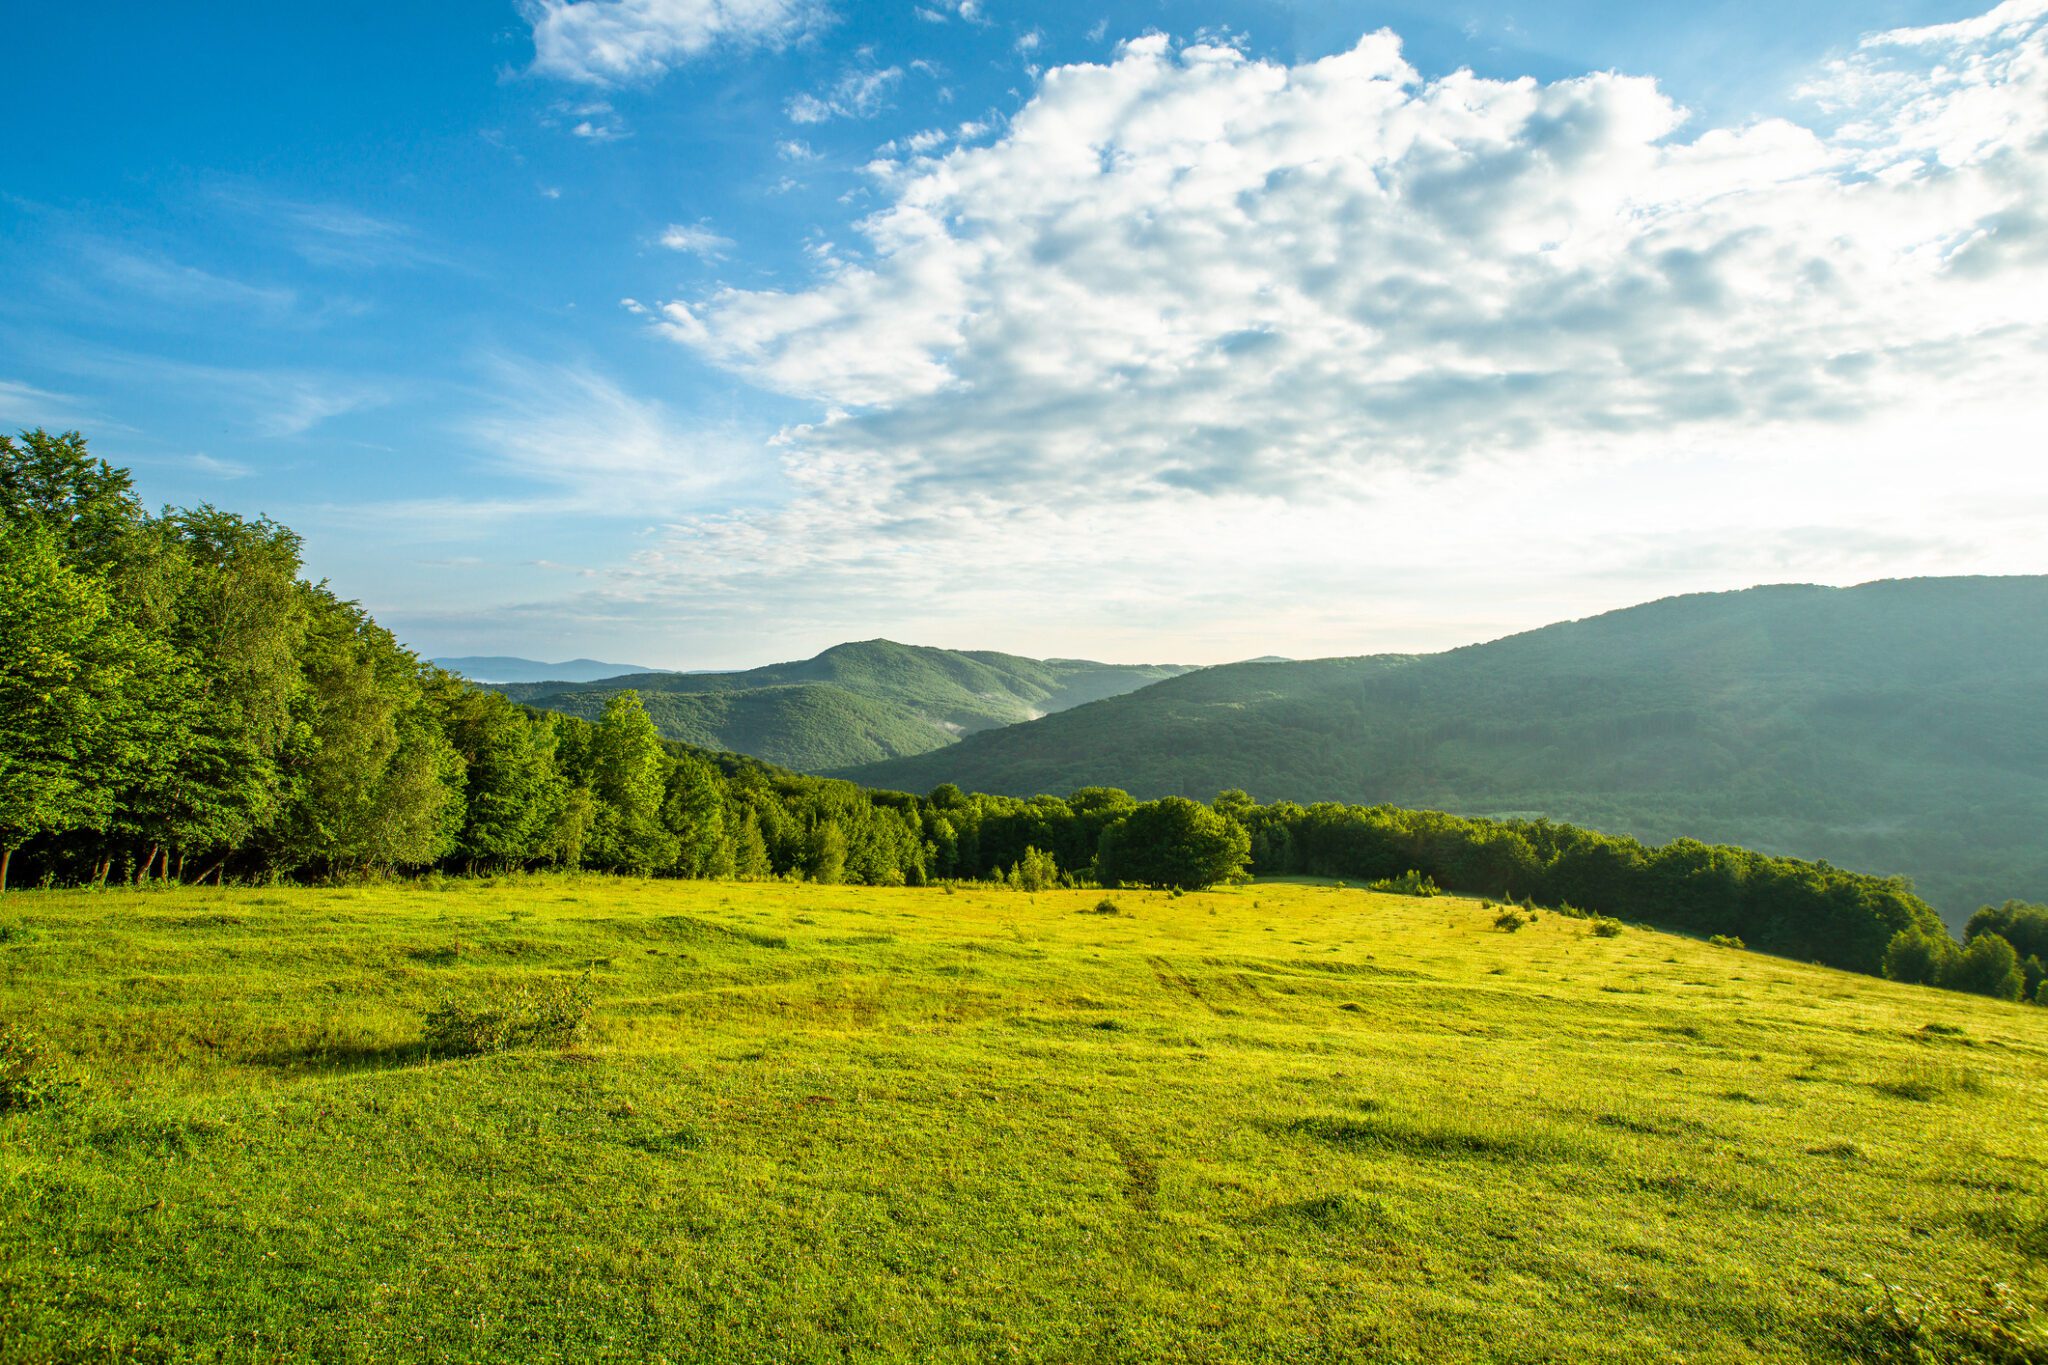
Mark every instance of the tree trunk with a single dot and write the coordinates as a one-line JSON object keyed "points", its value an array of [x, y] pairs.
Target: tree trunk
{"points": [[200, 880], [142, 873], [100, 870], [179, 876], [6, 857]]}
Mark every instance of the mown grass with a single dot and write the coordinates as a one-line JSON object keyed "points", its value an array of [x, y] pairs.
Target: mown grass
{"points": [[1280, 1122]]}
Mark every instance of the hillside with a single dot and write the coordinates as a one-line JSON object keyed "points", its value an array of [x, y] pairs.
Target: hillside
{"points": [[855, 703], [1274, 1123], [1895, 727]]}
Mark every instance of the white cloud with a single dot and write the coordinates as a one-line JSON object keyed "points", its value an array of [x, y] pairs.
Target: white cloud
{"points": [[608, 42], [858, 93], [696, 239], [607, 451], [218, 468], [1200, 331]]}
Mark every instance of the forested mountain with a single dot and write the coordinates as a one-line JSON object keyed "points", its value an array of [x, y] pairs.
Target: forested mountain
{"points": [[501, 668], [1898, 727], [854, 703]]}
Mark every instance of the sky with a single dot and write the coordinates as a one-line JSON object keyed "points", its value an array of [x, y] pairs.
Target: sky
{"points": [[705, 333]]}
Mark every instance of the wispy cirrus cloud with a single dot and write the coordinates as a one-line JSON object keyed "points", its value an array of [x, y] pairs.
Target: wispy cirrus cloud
{"points": [[603, 449], [859, 93], [695, 239]]}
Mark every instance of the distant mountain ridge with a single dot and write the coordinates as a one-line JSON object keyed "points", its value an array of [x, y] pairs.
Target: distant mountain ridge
{"points": [[855, 703], [505, 668], [1899, 726]]}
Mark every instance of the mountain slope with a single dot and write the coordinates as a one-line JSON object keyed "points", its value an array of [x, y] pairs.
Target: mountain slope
{"points": [[1895, 727], [855, 703]]}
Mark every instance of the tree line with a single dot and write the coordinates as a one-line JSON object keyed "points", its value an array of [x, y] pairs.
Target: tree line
{"points": [[178, 703]]}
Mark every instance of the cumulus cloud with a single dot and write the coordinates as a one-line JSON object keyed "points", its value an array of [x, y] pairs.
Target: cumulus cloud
{"points": [[610, 42], [1189, 299]]}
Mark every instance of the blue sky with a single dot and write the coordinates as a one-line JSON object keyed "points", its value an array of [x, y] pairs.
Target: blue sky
{"points": [[699, 334]]}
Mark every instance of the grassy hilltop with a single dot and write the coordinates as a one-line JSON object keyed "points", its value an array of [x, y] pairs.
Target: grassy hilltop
{"points": [[1277, 1122]]}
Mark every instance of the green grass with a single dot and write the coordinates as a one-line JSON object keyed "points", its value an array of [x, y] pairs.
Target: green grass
{"points": [[1281, 1122]]}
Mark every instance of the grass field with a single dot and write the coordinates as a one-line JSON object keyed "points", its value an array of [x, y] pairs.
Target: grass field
{"points": [[1277, 1122]]}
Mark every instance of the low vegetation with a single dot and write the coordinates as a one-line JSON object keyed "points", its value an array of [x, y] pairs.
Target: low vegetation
{"points": [[1271, 1122]]}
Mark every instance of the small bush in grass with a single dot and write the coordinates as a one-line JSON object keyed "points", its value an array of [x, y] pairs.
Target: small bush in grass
{"points": [[550, 1014], [1725, 941], [1898, 1323], [1605, 926], [1511, 921], [1106, 906], [27, 1079], [1409, 883]]}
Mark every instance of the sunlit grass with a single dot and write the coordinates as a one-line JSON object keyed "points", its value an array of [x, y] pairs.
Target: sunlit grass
{"points": [[1281, 1122]]}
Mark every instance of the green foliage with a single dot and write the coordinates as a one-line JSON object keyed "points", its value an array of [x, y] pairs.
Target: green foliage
{"points": [[549, 1013], [1987, 965], [825, 853], [1035, 871], [1604, 926], [1920, 955], [1726, 941], [65, 664], [2024, 926], [1409, 883], [1173, 842], [1511, 920], [626, 772]]}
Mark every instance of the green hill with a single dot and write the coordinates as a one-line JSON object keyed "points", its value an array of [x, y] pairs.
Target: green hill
{"points": [[1273, 1123], [854, 703], [1897, 727]]}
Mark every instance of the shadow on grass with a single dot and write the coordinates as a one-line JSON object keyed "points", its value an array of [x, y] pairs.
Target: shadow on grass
{"points": [[329, 1057]]}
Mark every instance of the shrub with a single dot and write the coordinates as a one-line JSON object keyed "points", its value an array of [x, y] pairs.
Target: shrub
{"points": [[1908, 1325], [1606, 927], [1105, 906], [1409, 883], [1986, 966], [26, 1077], [550, 1014], [1036, 871], [1726, 941], [1919, 956], [1509, 921]]}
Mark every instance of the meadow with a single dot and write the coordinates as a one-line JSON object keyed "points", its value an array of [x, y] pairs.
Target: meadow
{"points": [[1273, 1122]]}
